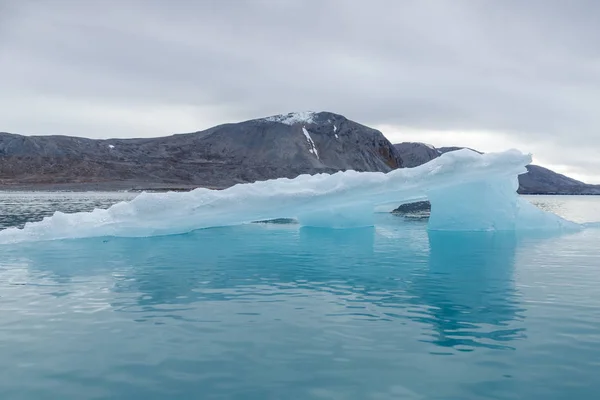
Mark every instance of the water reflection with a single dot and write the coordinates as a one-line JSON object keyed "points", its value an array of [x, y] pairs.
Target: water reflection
{"points": [[469, 286], [460, 288]]}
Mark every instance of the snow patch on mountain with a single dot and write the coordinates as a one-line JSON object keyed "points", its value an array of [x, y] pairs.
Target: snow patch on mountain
{"points": [[305, 117], [311, 143]]}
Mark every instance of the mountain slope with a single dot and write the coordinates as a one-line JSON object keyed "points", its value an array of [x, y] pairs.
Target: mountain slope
{"points": [[414, 154], [279, 146], [538, 180], [274, 147]]}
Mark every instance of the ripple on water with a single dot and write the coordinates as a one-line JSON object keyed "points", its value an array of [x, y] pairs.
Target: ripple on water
{"points": [[278, 312]]}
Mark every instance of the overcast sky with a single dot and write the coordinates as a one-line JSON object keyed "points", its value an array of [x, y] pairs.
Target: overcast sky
{"points": [[491, 74]]}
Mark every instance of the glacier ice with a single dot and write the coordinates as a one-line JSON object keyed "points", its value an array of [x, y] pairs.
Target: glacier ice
{"points": [[468, 191]]}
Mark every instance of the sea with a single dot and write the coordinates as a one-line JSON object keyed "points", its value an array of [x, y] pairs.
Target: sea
{"points": [[279, 311]]}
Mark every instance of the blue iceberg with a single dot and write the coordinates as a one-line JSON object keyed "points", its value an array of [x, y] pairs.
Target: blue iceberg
{"points": [[468, 191]]}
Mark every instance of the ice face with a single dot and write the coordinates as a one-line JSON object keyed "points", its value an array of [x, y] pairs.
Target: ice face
{"points": [[467, 191]]}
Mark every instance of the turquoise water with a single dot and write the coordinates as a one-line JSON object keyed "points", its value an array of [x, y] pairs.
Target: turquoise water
{"points": [[269, 311]]}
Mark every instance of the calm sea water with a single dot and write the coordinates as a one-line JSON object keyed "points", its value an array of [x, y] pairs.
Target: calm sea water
{"points": [[269, 311]]}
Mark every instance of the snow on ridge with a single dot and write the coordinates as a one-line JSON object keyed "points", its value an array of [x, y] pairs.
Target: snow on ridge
{"points": [[313, 148], [111, 146], [430, 146], [306, 117]]}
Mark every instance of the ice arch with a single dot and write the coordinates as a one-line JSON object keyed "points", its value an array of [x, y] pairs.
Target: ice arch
{"points": [[467, 191]]}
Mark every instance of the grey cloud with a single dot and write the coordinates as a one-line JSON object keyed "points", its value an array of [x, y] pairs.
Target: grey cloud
{"points": [[530, 69]]}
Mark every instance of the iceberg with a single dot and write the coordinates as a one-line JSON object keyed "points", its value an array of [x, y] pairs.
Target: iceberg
{"points": [[468, 191]]}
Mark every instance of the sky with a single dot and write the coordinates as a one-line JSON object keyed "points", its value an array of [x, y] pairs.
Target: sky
{"points": [[486, 74]]}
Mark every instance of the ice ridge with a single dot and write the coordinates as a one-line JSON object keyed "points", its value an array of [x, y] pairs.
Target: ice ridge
{"points": [[467, 191]]}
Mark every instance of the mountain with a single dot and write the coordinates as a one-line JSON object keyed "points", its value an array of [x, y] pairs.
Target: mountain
{"points": [[414, 154], [540, 180], [279, 146], [537, 180]]}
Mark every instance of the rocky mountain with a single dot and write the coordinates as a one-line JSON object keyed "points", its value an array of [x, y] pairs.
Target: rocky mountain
{"points": [[279, 146], [538, 180], [414, 154]]}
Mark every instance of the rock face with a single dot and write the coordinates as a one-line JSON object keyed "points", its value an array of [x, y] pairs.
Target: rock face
{"points": [[414, 154], [412, 208], [538, 180], [274, 147]]}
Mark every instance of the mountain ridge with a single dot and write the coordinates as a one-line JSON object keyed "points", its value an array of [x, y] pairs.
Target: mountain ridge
{"points": [[217, 157], [285, 145]]}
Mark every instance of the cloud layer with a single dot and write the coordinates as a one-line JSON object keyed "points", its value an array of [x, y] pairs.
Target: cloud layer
{"points": [[496, 73]]}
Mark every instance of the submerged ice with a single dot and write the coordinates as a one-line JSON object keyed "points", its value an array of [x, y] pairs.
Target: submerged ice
{"points": [[467, 191]]}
